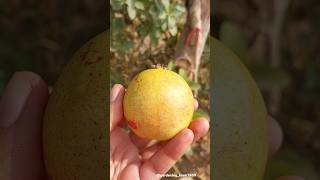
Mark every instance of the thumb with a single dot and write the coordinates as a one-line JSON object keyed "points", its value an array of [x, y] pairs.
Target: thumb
{"points": [[116, 109], [21, 110]]}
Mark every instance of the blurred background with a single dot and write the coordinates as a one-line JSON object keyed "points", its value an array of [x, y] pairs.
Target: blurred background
{"points": [[41, 36], [143, 34], [279, 42]]}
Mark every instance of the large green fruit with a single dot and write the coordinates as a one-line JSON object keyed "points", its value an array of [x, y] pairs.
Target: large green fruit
{"points": [[75, 124], [239, 129], [158, 104]]}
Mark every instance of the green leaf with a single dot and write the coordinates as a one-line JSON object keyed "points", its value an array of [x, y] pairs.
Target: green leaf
{"points": [[269, 77], [122, 44], [194, 86], [233, 38], [127, 45], [117, 25], [158, 6], [171, 66], [200, 113], [189, 152], [131, 9], [289, 162], [164, 26], [180, 8], [139, 5], [166, 4], [143, 29], [162, 15], [183, 74], [155, 34], [115, 77], [116, 4], [173, 30], [171, 22]]}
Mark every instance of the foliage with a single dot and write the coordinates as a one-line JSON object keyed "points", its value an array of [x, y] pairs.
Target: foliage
{"points": [[289, 162], [44, 40], [232, 37], [200, 113], [297, 77], [266, 76], [193, 85], [134, 20]]}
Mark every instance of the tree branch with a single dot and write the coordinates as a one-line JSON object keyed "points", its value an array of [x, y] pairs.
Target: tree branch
{"points": [[188, 55]]}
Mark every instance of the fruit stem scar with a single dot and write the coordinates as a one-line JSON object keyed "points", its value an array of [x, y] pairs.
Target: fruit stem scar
{"points": [[133, 124]]}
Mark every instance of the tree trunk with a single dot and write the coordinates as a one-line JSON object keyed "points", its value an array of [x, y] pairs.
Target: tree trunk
{"points": [[188, 55]]}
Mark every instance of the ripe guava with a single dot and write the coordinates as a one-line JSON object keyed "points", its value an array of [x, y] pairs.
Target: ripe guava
{"points": [[158, 104]]}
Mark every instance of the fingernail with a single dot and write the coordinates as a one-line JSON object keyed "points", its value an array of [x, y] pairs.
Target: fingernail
{"points": [[206, 123], [15, 96], [115, 92]]}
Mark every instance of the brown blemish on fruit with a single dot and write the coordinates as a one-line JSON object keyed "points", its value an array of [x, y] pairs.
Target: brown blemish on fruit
{"points": [[89, 62], [138, 79], [133, 124], [84, 55]]}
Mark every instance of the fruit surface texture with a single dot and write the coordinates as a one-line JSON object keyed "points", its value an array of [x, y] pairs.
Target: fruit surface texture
{"points": [[158, 104], [75, 124], [239, 128]]}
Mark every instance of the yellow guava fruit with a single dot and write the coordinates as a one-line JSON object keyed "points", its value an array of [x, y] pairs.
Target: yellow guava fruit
{"points": [[158, 104], [75, 126], [239, 128]]}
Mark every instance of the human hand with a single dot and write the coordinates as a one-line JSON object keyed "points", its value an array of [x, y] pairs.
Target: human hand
{"points": [[22, 106], [275, 140], [134, 158]]}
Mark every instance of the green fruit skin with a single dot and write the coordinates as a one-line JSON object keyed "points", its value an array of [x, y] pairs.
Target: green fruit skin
{"points": [[239, 129], [75, 123]]}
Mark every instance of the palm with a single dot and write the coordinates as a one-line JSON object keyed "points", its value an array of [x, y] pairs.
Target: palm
{"points": [[134, 158], [124, 155]]}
